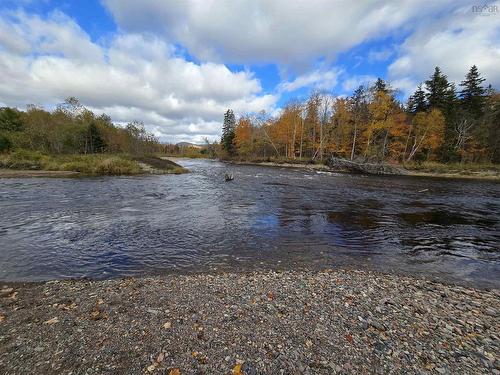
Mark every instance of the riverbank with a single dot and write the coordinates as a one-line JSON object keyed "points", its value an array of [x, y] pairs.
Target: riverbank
{"points": [[24, 163], [411, 170], [284, 164], [455, 170], [332, 321], [12, 173]]}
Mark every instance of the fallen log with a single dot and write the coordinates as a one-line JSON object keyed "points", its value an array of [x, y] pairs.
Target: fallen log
{"points": [[344, 165]]}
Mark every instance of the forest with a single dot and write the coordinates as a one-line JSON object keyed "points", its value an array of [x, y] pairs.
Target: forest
{"points": [[439, 122], [71, 138], [71, 129]]}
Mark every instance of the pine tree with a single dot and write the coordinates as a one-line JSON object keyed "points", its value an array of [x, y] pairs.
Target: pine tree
{"points": [[441, 94], [490, 92], [228, 132], [472, 95], [417, 101], [437, 90], [95, 143], [451, 101], [380, 86]]}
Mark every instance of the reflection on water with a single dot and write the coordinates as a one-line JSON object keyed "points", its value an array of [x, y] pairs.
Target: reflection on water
{"points": [[121, 226], [352, 220], [444, 218]]}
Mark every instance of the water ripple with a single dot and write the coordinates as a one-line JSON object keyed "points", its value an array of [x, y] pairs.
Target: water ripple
{"points": [[121, 226]]}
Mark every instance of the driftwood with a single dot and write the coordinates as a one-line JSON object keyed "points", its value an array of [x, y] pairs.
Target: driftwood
{"points": [[343, 165]]}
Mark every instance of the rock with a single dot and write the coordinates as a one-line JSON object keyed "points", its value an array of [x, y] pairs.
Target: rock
{"points": [[377, 325], [491, 312], [4, 292], [248, 369]]}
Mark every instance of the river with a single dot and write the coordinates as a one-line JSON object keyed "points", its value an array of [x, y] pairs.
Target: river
{"points": [[267, 217]]}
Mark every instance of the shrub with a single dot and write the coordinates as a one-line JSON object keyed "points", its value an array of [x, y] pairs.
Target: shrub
{"points": [[5, 144]]}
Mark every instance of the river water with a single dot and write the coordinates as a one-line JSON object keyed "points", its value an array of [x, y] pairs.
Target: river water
{"points": [[266, 218]]}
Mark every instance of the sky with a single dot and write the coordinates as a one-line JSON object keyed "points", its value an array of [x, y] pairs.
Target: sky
{"points": [[177, 65]]}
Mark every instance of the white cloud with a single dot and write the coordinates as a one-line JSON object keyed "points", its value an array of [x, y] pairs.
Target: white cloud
{"points": [[353, 82], [382, 54], [134, 76], [316, 79], [453, 42], [278, 31]]}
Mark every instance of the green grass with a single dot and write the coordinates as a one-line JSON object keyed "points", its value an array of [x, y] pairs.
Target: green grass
{"points": [[91, 164], [462, 168]]}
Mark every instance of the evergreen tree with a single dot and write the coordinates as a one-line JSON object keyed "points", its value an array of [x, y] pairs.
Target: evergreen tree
{"points": [[417, 101], [5, 144], [451, 101], [380, 86], [490, 92], [441, 94], [359, 103], [438, 90], [228, 131], [472, 95], [95, 143], [492, 121], [10, 119]]}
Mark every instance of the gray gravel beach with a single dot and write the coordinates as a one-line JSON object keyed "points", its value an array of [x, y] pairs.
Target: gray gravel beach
{"points": [[289, 322]]}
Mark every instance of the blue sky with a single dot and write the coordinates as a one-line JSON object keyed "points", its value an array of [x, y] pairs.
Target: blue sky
{"points": [[178, 65]]}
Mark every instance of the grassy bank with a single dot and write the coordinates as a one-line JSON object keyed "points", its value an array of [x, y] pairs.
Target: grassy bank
{"points": [[88, 165], [434, 167], [462, 170]]}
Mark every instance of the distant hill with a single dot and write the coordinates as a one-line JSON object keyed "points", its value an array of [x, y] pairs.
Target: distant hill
{"points": [[188, 144]]}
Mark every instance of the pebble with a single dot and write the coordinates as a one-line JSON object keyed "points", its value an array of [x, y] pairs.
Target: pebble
{"points": [[308, 322]]}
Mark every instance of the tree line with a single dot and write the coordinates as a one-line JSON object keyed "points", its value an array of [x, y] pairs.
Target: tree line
{"points": [[437, 123], [71, 129]]}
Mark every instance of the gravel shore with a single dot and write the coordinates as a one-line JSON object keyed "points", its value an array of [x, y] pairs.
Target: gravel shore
{"points": [[290, 322]]}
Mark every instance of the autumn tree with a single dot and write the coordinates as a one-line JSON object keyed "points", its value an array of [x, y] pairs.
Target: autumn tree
{"points": [[434, 124], [292, 114], [360, 116], [325, 114], [312, 123], [243, 136], [426, 132], [341, 131], [381, 111]]}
